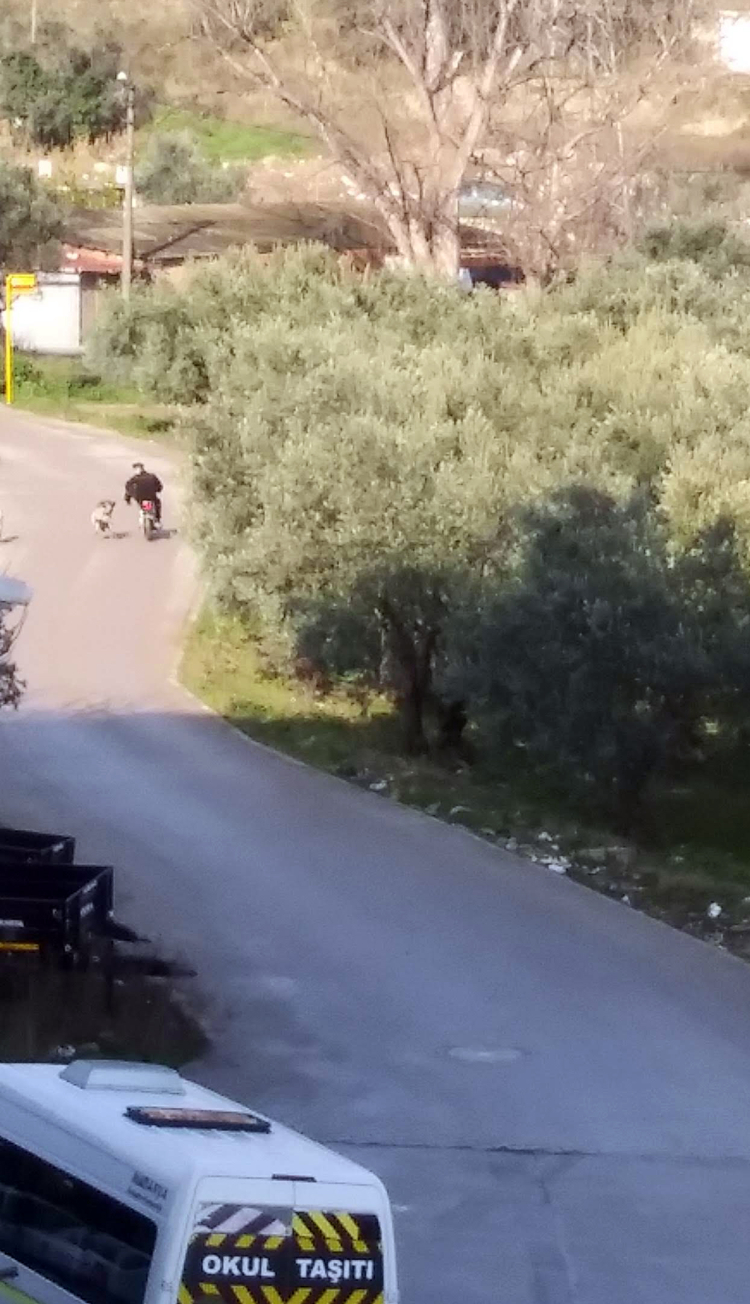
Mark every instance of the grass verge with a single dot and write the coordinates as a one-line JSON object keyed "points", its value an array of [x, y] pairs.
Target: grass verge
{"points": [[701, 862], [224, 141], [62, 387]]}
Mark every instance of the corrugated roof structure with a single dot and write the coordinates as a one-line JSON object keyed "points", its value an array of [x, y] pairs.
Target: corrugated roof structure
{"points": [[168, 235]]}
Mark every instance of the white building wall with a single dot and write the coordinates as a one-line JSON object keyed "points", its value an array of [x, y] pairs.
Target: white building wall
{"points": [[734, 40], [49, 319]]}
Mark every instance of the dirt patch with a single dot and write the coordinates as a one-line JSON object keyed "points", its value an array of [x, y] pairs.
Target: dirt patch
{"points": [[46, 1014], [316, 180]]}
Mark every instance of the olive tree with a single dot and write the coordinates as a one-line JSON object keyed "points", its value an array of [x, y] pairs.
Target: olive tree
{"points": [[172, 170], [30, 218], [345, 473], [397, 481], [61, 94], [608, 652]]}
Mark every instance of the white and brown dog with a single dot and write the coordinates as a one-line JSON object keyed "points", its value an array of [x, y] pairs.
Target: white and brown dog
{"points": [[101, 517]]}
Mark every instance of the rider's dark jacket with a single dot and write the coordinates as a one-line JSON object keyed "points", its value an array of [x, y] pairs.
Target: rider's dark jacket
{"points": [[143, 486]]}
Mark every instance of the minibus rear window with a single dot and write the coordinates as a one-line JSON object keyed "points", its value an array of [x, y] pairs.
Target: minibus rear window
{"points": [[70, 1232]]}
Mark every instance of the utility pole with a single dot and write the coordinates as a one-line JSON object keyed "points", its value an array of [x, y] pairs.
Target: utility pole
{"points": [[127, 203]]}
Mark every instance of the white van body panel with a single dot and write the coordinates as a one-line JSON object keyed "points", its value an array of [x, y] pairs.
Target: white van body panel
{"points": [[167, 1174]]}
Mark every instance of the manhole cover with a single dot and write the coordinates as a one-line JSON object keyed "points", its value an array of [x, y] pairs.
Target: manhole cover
{"points": [[486, 1054]]}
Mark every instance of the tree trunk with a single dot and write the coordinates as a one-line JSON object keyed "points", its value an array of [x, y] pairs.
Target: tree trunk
{"points": [[413, 653], [415, 658], [426, 236], [423, 252], [638, 757], [412, 705], [452, 721]]}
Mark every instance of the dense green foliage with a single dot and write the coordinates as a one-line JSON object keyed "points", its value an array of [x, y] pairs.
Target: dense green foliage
{"points": [[528, 513], [30, 219], [608, 651], [61, 94], [708, 243], [172, 170]]}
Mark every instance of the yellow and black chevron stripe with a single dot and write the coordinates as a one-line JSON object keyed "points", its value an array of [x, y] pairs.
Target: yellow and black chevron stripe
{"points": [[245, 1241], [270, 1295], [311, 1229], [339, 1232]]}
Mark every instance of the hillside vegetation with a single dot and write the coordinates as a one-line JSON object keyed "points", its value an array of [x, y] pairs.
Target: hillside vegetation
{"points": [[583, 154], [521, 525], [155, 40], [60, 99], [496, 548]]}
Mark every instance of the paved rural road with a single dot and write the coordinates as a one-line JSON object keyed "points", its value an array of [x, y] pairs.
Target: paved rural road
{"points": [[556, 1090]]}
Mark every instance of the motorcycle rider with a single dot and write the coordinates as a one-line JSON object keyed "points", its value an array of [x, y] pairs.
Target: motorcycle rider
{"points": [[144, 486]]}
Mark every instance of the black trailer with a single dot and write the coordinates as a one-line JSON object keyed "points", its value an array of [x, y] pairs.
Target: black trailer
{"points": [[27, 847], [57, 911], [53, 907]]}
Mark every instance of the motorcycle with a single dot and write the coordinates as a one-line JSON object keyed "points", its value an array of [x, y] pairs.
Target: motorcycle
{"points": [[148, 521]]}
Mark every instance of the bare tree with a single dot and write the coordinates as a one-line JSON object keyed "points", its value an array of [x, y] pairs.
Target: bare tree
{"points": [[575, 158], [428, 74], [571, 175]]}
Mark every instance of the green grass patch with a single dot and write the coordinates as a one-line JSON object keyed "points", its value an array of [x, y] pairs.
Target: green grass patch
{"points": [[64, 388], [711, 809], [66, 378], [703, 850], [223, 141], [223, 667]]}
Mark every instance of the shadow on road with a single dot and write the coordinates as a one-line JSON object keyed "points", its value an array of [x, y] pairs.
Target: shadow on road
{"points": [[126, 534]]}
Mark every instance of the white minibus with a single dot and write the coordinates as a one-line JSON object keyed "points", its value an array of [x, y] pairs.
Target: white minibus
{"points": [[123, 1183]]}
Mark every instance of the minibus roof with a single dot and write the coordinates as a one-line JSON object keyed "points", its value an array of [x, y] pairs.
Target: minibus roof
{"points": [[92, 1100]]}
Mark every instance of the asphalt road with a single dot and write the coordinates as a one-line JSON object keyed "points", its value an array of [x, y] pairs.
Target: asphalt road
{"points": [[555, 1089]]}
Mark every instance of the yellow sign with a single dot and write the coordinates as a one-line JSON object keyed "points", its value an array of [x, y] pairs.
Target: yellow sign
{"points": [[20, 281], [16, 283]]}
